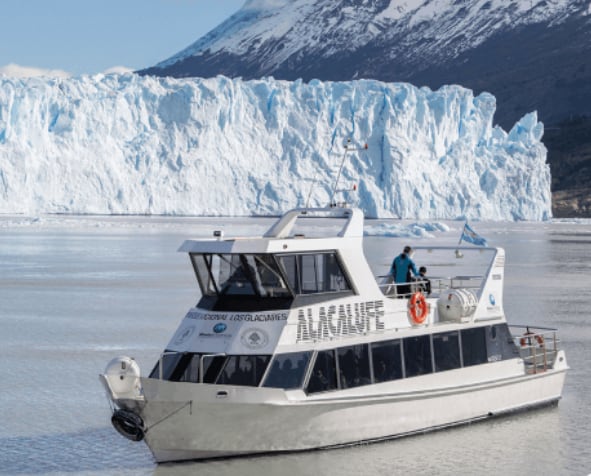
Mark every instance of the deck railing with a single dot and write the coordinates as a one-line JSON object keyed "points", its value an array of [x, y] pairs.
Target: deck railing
{"points": [[438, 285], [538, 346]]}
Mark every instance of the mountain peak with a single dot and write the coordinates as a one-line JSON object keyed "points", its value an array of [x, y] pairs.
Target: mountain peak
{"points": [[282, 29], [531, 54]]}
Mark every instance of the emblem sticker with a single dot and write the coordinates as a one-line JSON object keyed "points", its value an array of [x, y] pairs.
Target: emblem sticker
{"points": [[184, 334], [492, 300], [254, 338], [219, 327]]}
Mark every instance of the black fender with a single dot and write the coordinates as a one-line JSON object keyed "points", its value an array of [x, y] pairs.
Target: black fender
{"points": [[129, 424]]}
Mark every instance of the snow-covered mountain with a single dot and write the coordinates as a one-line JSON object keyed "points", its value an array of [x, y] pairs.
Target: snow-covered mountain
{"points": [[269, 32], [531, 54], [133, 144]]}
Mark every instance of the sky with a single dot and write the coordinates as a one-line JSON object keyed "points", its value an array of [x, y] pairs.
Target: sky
{"points": [[75, 37]]}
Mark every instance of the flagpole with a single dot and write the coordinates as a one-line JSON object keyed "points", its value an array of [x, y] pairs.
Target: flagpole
{"points": [[462, 234], [459, 254]]}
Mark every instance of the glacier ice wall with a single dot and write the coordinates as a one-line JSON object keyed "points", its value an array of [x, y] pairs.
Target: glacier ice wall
{"points": [[125, 144]]}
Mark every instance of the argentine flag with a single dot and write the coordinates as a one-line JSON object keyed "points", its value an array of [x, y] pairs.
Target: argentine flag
{"points": [[469, 235]]}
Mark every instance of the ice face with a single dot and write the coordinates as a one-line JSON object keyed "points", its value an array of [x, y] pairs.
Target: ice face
{"points": [[134, 145]]}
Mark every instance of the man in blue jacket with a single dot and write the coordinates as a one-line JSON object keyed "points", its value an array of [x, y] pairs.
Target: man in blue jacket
{"points": [[401, 269]]}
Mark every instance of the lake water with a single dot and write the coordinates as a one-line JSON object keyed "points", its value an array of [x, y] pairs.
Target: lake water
{"points": [[76, 292]]}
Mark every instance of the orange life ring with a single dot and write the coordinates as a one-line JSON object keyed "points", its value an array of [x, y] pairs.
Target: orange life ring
{"points": [[418, 307], [527, 338]]}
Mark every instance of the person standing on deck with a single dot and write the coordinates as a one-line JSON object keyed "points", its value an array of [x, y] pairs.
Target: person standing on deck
{"points": [[401, 269], [424, 282]]}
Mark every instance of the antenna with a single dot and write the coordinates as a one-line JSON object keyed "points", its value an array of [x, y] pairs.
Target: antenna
{"points": [[311, 188], [336, 183]]}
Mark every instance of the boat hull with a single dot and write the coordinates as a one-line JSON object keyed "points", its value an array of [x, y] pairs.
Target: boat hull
{"points": [[186, 421]]}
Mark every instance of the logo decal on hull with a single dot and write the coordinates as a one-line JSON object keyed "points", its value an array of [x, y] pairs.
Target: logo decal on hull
{"points": [[184, 334], [254, 338], [219, 328]]}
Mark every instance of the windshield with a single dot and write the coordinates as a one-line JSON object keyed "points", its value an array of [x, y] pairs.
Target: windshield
{"points": [[239, 274], [269, 275]]}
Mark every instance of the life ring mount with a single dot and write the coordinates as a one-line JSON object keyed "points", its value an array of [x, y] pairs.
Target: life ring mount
{"points": [[418, 308]]}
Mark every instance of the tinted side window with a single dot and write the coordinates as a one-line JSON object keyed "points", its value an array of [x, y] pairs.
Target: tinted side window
{"points": [[324, 375], [289, 266], [211, 368], [333, 279], [417, 355], [500, 344], [446, 347], [202, 264], [474, 346], [287, 370], [311, 273], [243, 370], [177, 373], [167, 363], [191, 370], [387, 361], [354, 366]]}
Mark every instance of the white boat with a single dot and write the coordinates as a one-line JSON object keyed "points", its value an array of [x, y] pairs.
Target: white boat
{"points": [[295, 345]]}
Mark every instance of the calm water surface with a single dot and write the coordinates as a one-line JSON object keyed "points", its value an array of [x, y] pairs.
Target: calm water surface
{"points": [[75, 292]]}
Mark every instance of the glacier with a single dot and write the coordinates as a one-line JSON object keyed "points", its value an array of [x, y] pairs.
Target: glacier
{"points": [[130, 144]]}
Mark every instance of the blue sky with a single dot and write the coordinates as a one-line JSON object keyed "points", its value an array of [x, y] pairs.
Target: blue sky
{"points": [[92, 36]]}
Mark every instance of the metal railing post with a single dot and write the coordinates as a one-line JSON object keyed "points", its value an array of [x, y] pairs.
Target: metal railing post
{"points": [[543, 344]]}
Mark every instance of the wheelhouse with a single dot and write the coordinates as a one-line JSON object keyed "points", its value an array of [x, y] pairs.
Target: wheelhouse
{"points": [[263, 281]]}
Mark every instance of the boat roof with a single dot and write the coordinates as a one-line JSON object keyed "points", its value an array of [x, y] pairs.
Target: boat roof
{"points": [[284, 235]]}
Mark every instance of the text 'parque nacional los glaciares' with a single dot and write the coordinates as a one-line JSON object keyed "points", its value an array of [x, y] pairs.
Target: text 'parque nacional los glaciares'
{"points": [[238, 317]]}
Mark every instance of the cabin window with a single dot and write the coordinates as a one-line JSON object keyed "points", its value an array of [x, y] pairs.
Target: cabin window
{"points": [[212, 365], [167, 364], [239, 275], [288, 370], [184, 367], [312, 273], [500, 344], [474, 346], [417, 355], [446, 349], [203, 264], [189, 369], [387, 360], [236, 275], [243, 370], [324, 376], [354, 366]]}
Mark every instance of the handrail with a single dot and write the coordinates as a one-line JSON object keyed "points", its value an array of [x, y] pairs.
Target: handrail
{"points": [[533, 347], [438, 284], [541, 328], [161, 358], [390, 288]]}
